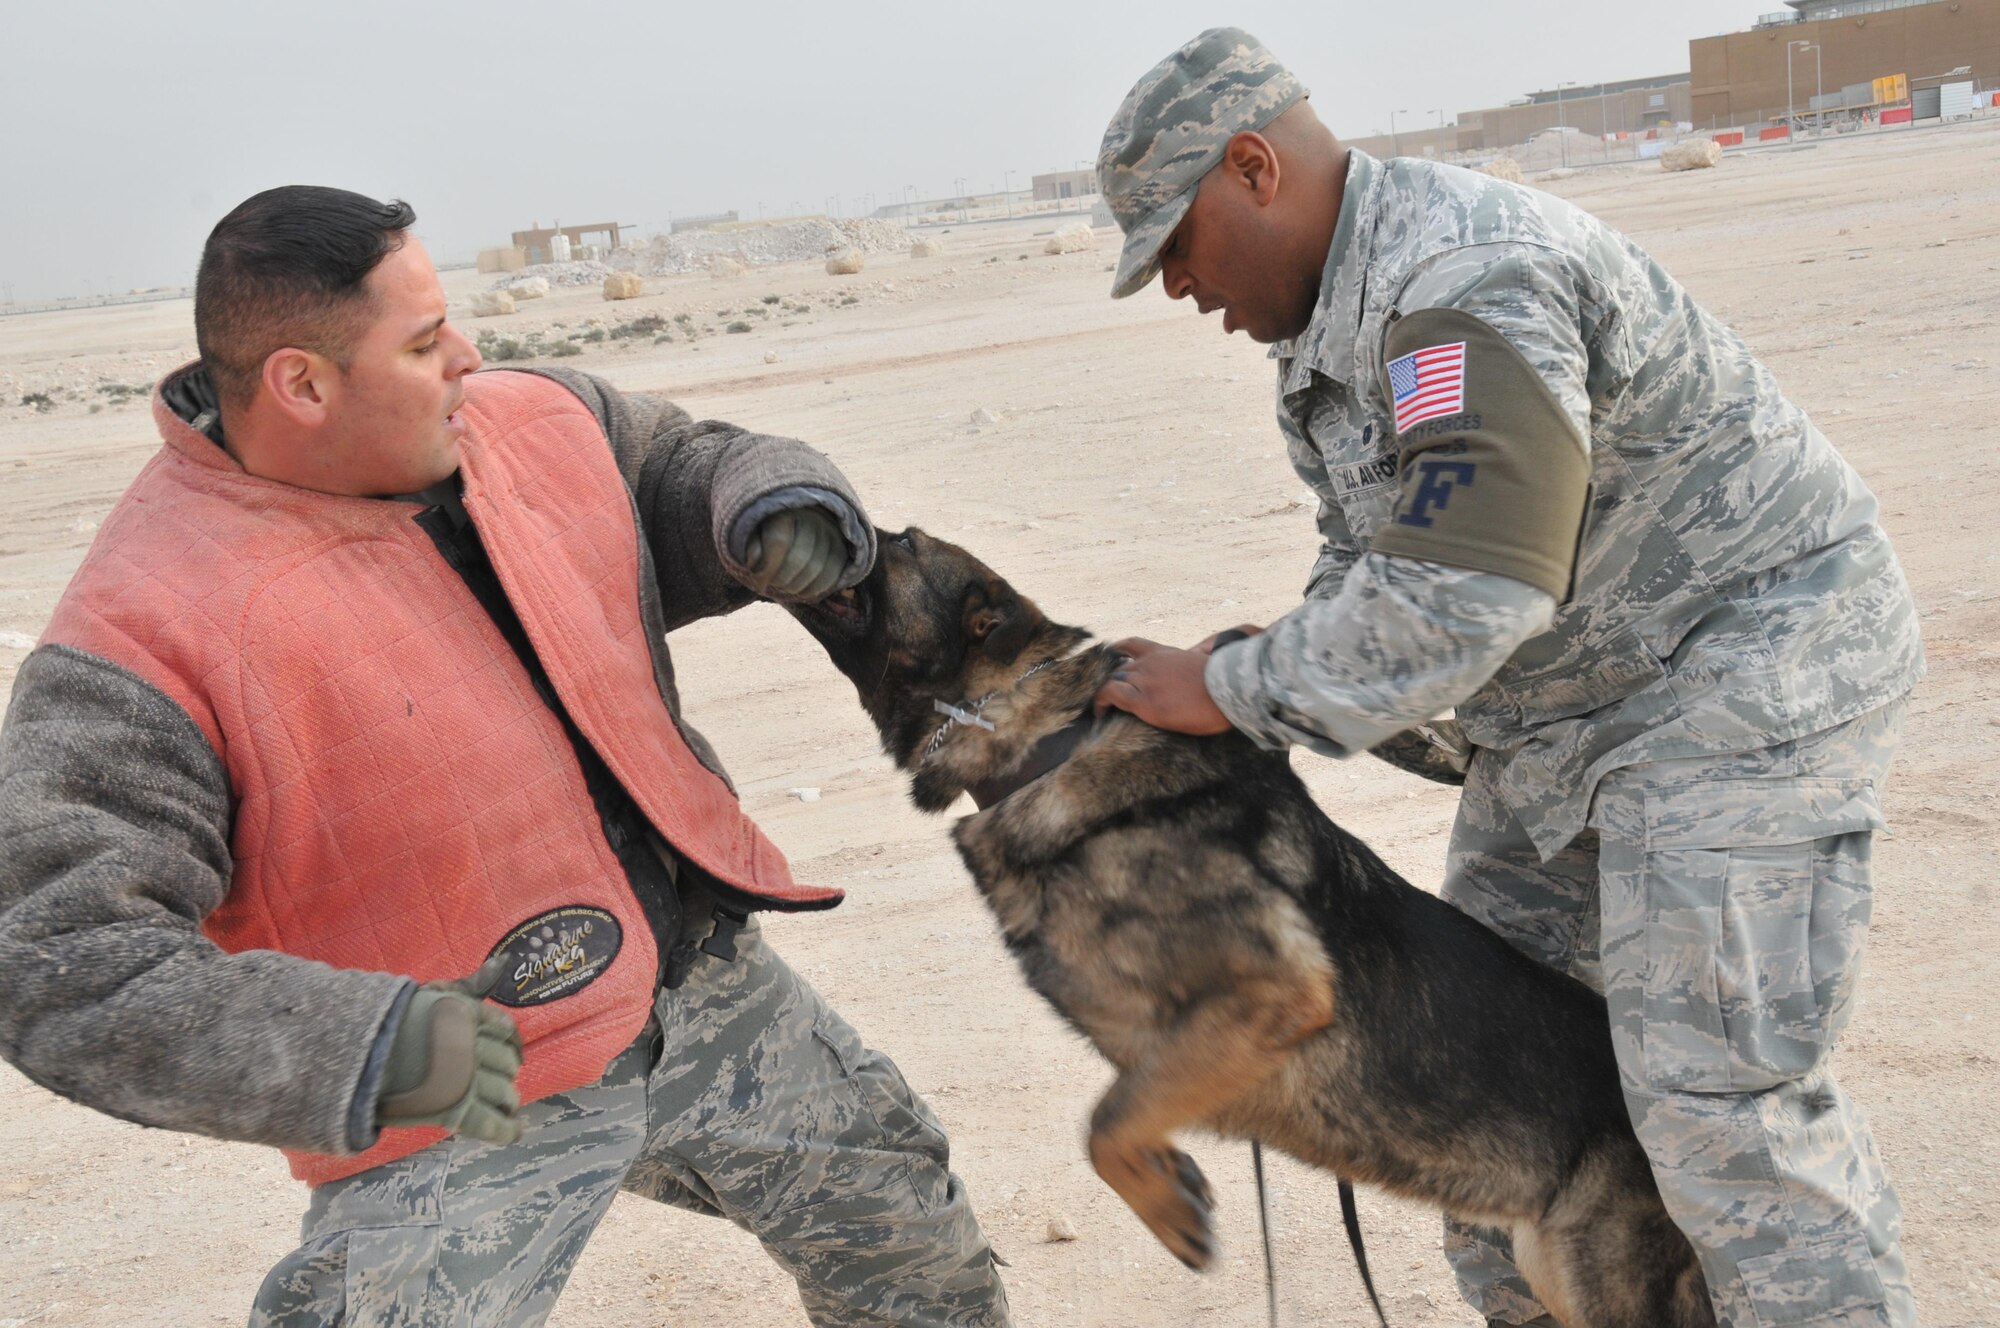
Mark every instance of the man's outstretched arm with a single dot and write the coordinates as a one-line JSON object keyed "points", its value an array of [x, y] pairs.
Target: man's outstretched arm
{"points": [[728, 513]]}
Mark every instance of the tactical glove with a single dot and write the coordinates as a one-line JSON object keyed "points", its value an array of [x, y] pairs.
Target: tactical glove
{"points": [[453, 1060], [798, 553]]}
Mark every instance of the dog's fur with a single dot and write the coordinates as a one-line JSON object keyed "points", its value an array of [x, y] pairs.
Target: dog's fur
{"points": [[1250, 967]]}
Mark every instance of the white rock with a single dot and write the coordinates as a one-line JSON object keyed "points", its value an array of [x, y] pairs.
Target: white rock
{"points": [[1503, 168], [486, 304], [17, 641], [1697, 154], [528, 288], [721, 266], [804, 794], [843, 262], [1074, 238], [927, 246], [984, 417], [624, 286], [1060, 1230], [770, 357]]}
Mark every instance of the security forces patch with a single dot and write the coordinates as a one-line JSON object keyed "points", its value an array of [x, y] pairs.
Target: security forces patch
{"points": [[1495, 474], [556, 954]]}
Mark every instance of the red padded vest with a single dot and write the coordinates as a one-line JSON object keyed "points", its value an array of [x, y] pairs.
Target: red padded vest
{"points": [[403, 798]]}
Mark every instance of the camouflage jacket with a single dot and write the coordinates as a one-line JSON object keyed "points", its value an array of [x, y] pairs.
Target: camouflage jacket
{"points": [[1732, 587]]}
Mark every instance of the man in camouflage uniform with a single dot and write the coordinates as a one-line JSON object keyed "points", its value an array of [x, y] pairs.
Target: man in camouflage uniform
{"points": [[1555, 493], [336, 410]]}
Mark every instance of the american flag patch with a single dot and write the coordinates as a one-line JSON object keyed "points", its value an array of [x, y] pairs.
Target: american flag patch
{"points": [[1428, 385]]}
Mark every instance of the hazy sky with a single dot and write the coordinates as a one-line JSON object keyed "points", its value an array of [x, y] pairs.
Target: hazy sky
{"points": [[127, 129]]}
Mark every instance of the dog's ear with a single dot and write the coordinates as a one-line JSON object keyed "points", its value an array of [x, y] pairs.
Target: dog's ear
{"points": [[997, 620]]}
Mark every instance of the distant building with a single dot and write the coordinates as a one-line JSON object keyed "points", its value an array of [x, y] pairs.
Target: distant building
{"points": [[1739, 77], [539, 246], [1632, 105], [1058, 185], [1432, 141], [706, 222]]}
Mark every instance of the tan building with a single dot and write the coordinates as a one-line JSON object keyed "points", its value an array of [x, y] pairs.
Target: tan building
{"points": [[1739, 78], [534, 241], [1631, 106], [1057, 185], [1435, 141]]}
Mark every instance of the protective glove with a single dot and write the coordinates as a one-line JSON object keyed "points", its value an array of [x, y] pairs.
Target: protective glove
{"points": [[453, 1060], [798, 553]]}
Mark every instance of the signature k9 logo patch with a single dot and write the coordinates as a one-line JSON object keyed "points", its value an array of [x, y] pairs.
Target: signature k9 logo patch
{"points": [[556, 955], [1427, 385]]}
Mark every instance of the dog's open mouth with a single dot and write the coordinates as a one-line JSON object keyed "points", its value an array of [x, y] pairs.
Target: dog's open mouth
{"points": [[845, 605], [844, 612]]}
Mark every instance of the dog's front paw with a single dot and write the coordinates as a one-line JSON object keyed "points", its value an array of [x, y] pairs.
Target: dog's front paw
{"points": [[1168, 1192]]}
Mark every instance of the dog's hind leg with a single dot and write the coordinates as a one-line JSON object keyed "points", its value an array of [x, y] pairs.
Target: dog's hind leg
{"points": [[1607, 1255], [1218, 1051]]}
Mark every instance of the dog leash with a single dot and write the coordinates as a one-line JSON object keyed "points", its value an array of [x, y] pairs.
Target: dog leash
{"points": [[1350, 1217], [1264, 1221]]}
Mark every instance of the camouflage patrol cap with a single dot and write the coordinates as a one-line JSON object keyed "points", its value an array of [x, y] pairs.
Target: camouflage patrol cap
{"points": [[1171, 130]]}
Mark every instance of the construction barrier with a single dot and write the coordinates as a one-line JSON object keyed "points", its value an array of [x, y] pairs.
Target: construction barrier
{"points": [[1901, 115], [1734, 138], [1780, 131]]}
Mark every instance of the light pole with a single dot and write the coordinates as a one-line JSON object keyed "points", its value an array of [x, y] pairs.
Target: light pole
{"points": [[1791, 118], [964, 203], [1819, 92], [1562, 126], [1395, 144], [1007, 191]]}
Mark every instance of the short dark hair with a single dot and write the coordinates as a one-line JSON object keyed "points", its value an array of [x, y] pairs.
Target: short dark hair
{"points": [[286, 268]]}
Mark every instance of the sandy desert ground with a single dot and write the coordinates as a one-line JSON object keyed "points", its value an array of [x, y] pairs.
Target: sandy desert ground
{"points": [[1133, 481]]}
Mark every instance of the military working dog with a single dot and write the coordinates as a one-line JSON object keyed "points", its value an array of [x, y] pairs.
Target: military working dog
{"points": [[1245, 964]]}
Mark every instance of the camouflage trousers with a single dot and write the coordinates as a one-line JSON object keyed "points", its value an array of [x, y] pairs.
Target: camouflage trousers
{"points": [[748, 1098], [1720, 904]]}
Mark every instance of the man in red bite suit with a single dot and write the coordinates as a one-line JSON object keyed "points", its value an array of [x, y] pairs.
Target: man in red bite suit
{"points": [[363, 688]]}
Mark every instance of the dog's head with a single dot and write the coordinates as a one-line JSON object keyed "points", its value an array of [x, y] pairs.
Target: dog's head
{"points": [[930, 624]]}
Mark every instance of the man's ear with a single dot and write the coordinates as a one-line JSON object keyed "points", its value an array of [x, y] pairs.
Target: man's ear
{"points": [[298, 384], [1252, 164]]}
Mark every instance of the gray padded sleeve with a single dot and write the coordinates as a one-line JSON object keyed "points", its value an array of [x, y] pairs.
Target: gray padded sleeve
{"points": [[114, 845]]}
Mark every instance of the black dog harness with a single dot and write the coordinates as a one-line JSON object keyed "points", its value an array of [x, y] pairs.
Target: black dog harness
{"points": [[1043, 757]]}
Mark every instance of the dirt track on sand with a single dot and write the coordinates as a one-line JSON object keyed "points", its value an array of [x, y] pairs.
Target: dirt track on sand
{"points": [[1134, 483]]}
